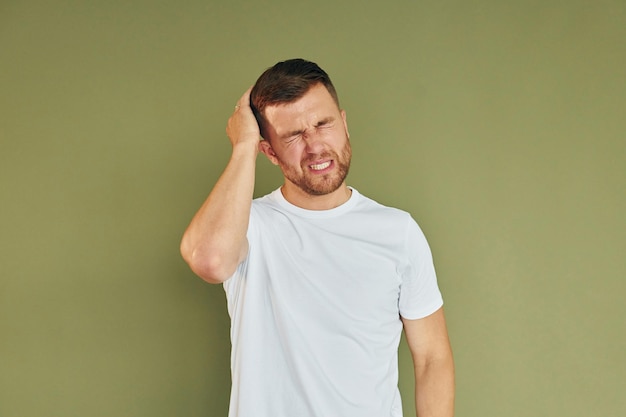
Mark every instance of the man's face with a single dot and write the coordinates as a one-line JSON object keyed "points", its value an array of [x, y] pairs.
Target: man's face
{"points": [[309, 140]]}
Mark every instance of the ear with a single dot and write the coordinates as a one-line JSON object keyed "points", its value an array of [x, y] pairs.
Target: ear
{"points": [[266, 148], [345, 122]]}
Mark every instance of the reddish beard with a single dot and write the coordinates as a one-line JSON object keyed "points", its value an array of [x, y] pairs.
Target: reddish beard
{"points": [[320, 184]]}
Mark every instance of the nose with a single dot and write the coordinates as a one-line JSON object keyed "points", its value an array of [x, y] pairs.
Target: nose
{"points": [[314, 143]]}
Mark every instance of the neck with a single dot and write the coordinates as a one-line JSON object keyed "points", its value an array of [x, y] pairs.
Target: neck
{"points": [[301, 199]]}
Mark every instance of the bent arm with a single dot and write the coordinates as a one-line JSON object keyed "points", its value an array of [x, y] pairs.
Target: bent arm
{"points": [[215, 240], [433, 364]]}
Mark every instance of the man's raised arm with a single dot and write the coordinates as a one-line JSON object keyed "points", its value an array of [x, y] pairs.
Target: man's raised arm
{"points": [[215, 241]]}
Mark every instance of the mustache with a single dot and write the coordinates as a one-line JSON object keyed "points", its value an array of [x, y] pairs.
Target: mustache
{"points": [[317, 157]]}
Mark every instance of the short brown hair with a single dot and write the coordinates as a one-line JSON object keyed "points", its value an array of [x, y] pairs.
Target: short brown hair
{"points": [[286, 82]]}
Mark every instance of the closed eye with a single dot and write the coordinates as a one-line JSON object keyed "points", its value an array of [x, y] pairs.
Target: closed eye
{"points": [[293, 138]]}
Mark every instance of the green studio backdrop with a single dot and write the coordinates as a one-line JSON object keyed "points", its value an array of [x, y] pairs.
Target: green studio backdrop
{"points": [[499, 125]]}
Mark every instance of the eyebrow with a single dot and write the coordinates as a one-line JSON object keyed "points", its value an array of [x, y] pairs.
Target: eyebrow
{"points": [[324, 121], [292, 133], [321, 122]]}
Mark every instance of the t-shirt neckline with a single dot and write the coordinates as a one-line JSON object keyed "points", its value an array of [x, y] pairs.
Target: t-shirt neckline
{"points": [[279, 198]]}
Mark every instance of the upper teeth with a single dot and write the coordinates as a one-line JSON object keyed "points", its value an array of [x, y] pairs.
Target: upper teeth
{"points": [[320, 166]]}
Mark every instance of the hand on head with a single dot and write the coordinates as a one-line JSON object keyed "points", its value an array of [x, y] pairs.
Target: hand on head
{"points": [[242, 126]]}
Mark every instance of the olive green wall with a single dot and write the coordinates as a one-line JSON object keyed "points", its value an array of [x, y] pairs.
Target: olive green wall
{"points": [[499, 125]]}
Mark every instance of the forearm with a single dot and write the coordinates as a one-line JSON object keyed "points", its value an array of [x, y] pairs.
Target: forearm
{"points": [[215, 240], [434, 388]]}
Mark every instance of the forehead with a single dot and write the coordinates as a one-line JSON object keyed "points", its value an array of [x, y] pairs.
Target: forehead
{"points": [[317, 103]]}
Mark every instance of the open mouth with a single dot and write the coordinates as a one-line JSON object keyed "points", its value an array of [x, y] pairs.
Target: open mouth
{"points": [[321, 166]]}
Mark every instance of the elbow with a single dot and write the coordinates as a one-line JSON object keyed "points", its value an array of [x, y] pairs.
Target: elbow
{"points": [[210, 266]]}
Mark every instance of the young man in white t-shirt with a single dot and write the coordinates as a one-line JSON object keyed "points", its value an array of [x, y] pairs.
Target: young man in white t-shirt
{"points": [[320, 280]]}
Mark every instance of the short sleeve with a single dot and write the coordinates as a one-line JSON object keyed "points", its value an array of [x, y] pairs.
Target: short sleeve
{"points": [[232, 283], [419, 291]]}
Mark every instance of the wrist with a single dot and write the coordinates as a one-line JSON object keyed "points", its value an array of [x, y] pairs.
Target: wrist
{"points": [[246, 148]]}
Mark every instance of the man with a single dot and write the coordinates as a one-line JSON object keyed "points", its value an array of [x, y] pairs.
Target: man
{"points": [[320, 280]]}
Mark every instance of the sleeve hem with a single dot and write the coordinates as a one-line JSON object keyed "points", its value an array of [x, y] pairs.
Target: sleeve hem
{"points": [[422, 312]]}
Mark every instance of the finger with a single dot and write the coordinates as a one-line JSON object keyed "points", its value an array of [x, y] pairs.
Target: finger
{"points": [[244, 101]]}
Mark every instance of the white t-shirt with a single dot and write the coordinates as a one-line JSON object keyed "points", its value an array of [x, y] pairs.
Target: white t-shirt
{"points": [[315, 308]]}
